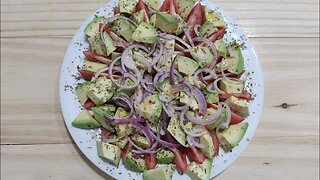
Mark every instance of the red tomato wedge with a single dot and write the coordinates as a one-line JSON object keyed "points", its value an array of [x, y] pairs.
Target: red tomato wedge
{"points": [[218, 35], [195, 154], [116, 10], [244, 95], [87, 75], [150, 160], [96, 58], [215, 142], [105, 133], [196, 16], [167, 5], [125, 151], [141, 6], [89, 104], [180, 160], [236, 118]]}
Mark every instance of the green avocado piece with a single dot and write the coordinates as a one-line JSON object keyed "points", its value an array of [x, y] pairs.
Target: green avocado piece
{"points": [[202, 55], [232, 136], [129, 92], [154, 4], [235, 61], [222, 63], [231, 85], [109, 152], [164, 156], [139, 17], [159, 173], [207, 29], [240, 106], [123, 28], [184, 98], [186, 65], [176, 131], [211, 97], [81, 92], [215, 18], [199, 171], [151, 108], [99, 115], [108, 43], [93, 66], [166, 23], [121, 143], [127, 6], [184, 7], [100, 90], [221, 47], [208, 148], [145, 33], [134, 164], [97, 45], [221, 119], [153, 19], [141, 141], [93, 27], [122, 129], [84, 120]]}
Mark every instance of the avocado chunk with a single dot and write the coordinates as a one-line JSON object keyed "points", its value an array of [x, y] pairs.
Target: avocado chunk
{"points": [[186, 65], [176, 131], [159, 173], [221, 47], [122, 129], [231, 85], [115, 55], [232, 136], [211, 97], [108, 43], [164, 156], [235, 61], [221, 119], [199, 171], [151, 108], [123, 28], [145, 33], [81, 92], [93, 66], [184, 7], [99, 115], [93, 27], [141, 141], [127, 6], [121, 143], [154, 4], [166, 23], [97, 45], [100, 90], [127, 82], [207, 29], [84, 120], [202, 55], [134, 164], [139, 17], [109, 152], [208, 148], [221, 66], [215, 18], [239, 105], [185, 98], [153, 20]]}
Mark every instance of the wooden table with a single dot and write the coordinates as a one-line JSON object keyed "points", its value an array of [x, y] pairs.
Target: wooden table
{"points": [[35, 143]]}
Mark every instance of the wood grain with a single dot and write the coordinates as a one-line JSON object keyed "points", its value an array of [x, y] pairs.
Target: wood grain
{"points": [[260, 18], [270, 158], [35, 57]]}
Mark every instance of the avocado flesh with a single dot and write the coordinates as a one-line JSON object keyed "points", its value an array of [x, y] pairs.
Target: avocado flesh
{"points": [[127, 6], [96, 44], [151, 108], [109, 152], [93, 66], [235, 61], [84, 120], [154, 4], [123, 28], [81, 92], [108, 43], [93, 27], [202, 55], [176, 131], [99, 115], [208, 148], [186, 65], [122, 129], [165, 156], [134, 164], [221, 47], [232, 136], [100, 90], [159, 173], [221, 119], [145, 33], [166, 23], [231, 85], [241, 106], [184, 7], [199, 171], [207, 29]]}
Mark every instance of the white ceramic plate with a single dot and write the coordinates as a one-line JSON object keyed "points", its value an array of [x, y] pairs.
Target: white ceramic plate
{"points": [[85, 139]]}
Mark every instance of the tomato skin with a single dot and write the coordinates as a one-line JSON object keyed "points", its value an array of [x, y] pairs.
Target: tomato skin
{"points": [[216, 142], [195, 154], [105, 134], [150, 160], [116, 10], [91, 56], [180, 160], [166, 5], [196, 16], [236, 119], [89, 104], [141, 6], [244, 95], [125, 151], [87, 75], [218, 35]]}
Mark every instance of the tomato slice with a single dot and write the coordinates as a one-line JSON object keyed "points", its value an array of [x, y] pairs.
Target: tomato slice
{"points": [[125, 151], [236, 118], [91, 56], [116, 10], [87, 75], [167, 4], [180, 160], [244, 95], [150, 160], [195, 154], [217, 35], [89, 104], [105, 134], [141, 6], [215, 142], [196, 16]]}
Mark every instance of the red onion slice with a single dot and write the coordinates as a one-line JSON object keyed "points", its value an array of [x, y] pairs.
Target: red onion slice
{"points": [[196, 29], [162, 142], [186, 32], [97, 74], [200, 121], [192, 142], [170, 36], [200, 99], [171, 72]]}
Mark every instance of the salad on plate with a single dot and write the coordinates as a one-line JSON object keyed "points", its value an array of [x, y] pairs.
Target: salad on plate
{"points": [[163, 88]]}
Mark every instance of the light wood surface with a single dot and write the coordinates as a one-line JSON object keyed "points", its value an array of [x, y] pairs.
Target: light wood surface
{"points": [[36, 145]]}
